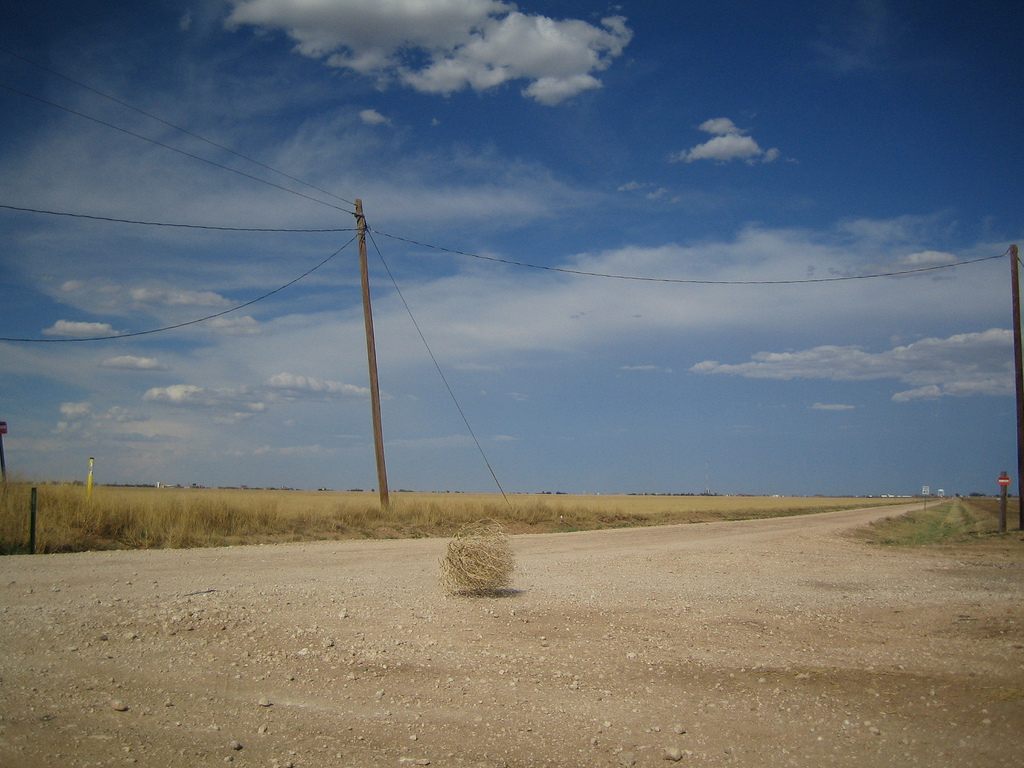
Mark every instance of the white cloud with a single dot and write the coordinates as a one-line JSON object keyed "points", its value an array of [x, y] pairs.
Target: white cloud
{"points": [[720, 126], [963, 365], [832, 407], [75, 410], [106, 296], [631, 186], [477, 44], [645, 368], [133, 363], [927, 259], [295, 384], [78, 330], [177, 394], [554, 90], [221, 405], [76, 418], [373, 117], [171, 297], [929, 392], [489, 315], [728, 143], [244, 325]]}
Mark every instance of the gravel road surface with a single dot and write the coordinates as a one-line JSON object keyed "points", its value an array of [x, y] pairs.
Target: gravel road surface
{"points": [[783, 642]]}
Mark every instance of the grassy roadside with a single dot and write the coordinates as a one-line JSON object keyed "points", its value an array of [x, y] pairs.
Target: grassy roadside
{"points": [[130, 518], [956, 521]]}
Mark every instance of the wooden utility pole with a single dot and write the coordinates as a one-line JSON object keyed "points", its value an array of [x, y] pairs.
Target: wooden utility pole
{"points": [[371, 356], [3, 461], [1018, 373]]}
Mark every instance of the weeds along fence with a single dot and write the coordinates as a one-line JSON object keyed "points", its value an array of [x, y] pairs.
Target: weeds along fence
{"points": [[119, 518]]}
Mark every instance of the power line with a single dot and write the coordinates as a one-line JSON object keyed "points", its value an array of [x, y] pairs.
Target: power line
{"points": [[437, 366], [169, 224], [158, 143], [189, 322], [169, 124], [688, 281]]}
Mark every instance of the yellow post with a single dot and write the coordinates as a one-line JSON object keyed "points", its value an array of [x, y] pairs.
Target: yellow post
{"points": [[88, 481]]}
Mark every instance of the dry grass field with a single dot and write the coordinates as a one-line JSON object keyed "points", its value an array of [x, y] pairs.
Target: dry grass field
{"points": [[146, 518]]}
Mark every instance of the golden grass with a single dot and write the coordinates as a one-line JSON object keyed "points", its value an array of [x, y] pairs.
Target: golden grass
{"points": [[118, 518]]}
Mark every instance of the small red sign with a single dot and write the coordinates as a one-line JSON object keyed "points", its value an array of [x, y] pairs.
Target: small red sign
{"points": [[1004, 480], [3, 427]]}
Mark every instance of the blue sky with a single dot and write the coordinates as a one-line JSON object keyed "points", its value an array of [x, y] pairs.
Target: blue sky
{"points": [[716, 142]]}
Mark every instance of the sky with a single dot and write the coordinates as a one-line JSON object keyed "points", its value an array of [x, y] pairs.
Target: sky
{"points": [[722, 152]]}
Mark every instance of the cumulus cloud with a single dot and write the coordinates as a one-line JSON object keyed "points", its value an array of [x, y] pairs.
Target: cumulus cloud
{"points": [[298, 385], [554, 90], [929, 392], [177, 394], [373, 117], [75, 417], [444, 46], [133, 363], [728, 143], [962, 365], [75, 410], [832, 407], [228, 405], [106, 296], [244, 325], [78, 330], [173, 297], [719, 126]]}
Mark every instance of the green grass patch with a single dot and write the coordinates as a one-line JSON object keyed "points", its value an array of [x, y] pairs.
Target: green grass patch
{"points": [[956, 521]]}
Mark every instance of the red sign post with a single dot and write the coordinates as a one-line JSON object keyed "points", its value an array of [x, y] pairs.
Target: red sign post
{"points": [[1004, 483], [3, 462]]}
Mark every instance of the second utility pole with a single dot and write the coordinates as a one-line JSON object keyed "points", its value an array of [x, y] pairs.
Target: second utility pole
{"points": [[371, 356], [1018, 377]]}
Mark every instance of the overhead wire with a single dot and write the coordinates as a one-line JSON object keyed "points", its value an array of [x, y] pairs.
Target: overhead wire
{"points": [[169, 124], [437, 366], [198, 320], [687, 281], [171, 147], [172, 224]]}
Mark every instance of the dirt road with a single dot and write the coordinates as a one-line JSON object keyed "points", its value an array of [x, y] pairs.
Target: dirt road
{"points": [[780, 642]]}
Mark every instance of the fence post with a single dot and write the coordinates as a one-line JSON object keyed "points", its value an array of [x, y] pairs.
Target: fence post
{"points": [[1004, 484], [32, 524]]}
